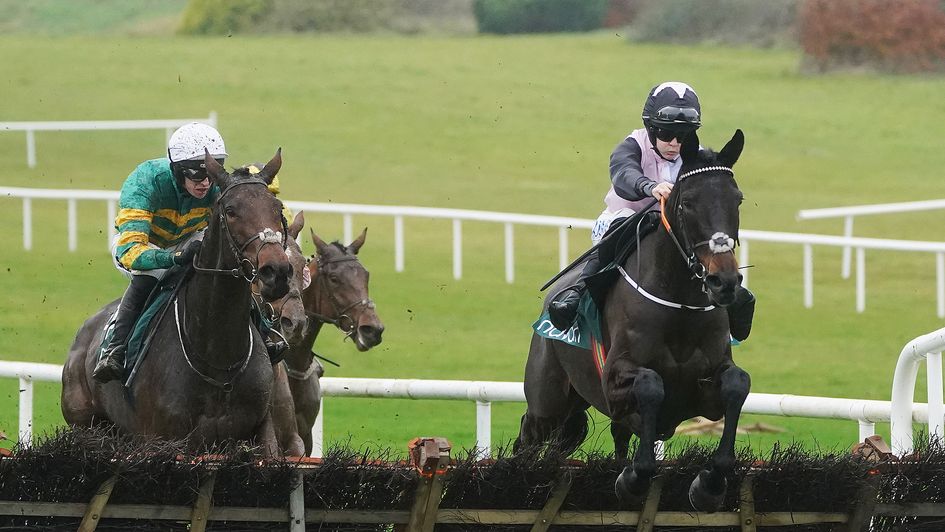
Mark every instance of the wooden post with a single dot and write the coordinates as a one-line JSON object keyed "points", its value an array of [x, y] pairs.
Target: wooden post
{"points": [[93, 513], [431, 457], [651, 505], [746, 504], [198, 518], [547, 514]]}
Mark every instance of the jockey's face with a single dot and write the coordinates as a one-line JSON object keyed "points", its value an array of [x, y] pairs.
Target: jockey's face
{"points": [[669, 150], [197, 189]]}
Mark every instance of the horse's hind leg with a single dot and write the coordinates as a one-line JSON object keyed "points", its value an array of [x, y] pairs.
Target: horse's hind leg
{"points": [[643, 388], [708, 489], [621, 434], [566, 432]]}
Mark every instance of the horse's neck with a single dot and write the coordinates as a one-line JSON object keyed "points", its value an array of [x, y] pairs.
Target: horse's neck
{"points": [[217, 312], [664, 272], [299, 356]]}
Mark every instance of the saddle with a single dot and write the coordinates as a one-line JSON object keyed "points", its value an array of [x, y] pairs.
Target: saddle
{"points": [[620, 241]]}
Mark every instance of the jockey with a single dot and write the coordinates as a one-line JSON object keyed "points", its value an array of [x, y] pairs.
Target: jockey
{"points": [[163, 210], [644, 166]]}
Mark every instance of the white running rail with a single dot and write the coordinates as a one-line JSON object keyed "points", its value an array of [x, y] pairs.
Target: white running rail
{"points": [[508, 220], [865, 412], [168, 125], [927, 347], [848, 213]]}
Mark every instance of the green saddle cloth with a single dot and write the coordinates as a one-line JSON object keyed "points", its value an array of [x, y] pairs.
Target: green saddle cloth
{"points": [[586, 326]]}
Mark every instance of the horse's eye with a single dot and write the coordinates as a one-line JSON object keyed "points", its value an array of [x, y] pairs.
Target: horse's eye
{"points": [[333, 278], [230, 211]]}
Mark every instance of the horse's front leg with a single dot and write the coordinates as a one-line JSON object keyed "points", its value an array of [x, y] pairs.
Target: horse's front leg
{"points": [[632, 390], [266, 436], [708, 489]]}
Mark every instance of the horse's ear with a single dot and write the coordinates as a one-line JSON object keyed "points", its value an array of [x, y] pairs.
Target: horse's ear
{"points": [[358, 242], [269, 172], [320, 244], [690, 148], [733, 149], [297, 223], [215, 170]]}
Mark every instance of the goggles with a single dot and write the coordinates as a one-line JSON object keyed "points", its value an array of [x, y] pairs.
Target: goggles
{"points": [[195, 171], [667, 135], [678, 114]]}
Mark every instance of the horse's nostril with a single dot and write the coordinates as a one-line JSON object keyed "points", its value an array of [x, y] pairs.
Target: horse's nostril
{"points": [[713, 281]]}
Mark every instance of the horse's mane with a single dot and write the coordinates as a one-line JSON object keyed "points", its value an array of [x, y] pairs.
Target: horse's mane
{"points": [[705, 156], [243, 172], [338, 245]]}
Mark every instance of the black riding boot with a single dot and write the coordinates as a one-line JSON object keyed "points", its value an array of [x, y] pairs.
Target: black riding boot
{"points": [[111, 364], [276, 350], [740, 313], [563, 308]]}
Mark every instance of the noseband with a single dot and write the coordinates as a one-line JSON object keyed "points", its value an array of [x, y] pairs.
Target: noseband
{"points": [[719, 243], [266, 236], [341, 320]]}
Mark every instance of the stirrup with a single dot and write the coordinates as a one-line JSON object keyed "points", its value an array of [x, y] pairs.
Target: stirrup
{"points": [[563, 308], [276, 351], [111, 366]]}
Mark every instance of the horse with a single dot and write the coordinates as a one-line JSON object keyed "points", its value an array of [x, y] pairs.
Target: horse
{"points": [[338, 294], [289, 320], [207, 376], [666, 336]]}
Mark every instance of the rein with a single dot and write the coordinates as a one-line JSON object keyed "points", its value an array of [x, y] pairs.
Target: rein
{"points": [[697, 268]]}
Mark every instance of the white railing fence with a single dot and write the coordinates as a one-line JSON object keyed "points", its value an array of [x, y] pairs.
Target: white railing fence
{"points": [[848, 213], [508, 221], [927, 347], [865, 412], [168, 125]]}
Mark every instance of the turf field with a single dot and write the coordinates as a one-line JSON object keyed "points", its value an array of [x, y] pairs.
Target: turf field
{"points": [[517, 124]]}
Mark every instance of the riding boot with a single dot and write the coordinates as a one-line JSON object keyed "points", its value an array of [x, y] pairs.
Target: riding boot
{"points": [[276, 350], [111, 364], [741, 313], [564, 306]]}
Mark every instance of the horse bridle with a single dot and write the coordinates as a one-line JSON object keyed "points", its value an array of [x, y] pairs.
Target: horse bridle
{"points": [[341, 316], [266, 236], [697, 268]]}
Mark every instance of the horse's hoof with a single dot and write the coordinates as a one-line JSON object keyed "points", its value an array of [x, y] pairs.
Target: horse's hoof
{"points": [[630, 489], [701, 497]]}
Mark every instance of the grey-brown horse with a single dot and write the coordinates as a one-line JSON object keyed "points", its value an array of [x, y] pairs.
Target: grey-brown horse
{"points": [[338, 295], [666, 336], [289, 321], [207, 376]]}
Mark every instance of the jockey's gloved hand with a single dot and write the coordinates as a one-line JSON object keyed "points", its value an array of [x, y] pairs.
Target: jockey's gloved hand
{"points": [[186, 255]]}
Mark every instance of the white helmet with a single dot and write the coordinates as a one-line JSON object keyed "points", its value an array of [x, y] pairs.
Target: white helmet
{"points": [[190, 140]]}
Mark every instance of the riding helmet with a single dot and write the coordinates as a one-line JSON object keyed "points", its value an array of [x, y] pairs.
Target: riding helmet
{"points": [[189, 144], [674, 106]]}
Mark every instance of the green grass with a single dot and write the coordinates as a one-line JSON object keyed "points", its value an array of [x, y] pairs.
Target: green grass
{"points": [[103, 17], [519, 124]]}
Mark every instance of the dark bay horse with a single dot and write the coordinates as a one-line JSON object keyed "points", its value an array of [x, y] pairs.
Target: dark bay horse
{"points": [[338, 294], [666, 336], [207, 376]]}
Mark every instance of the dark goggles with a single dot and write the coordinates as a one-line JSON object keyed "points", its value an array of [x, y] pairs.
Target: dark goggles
{"points": [[686, 115], [667, 135], [195, 171]]}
